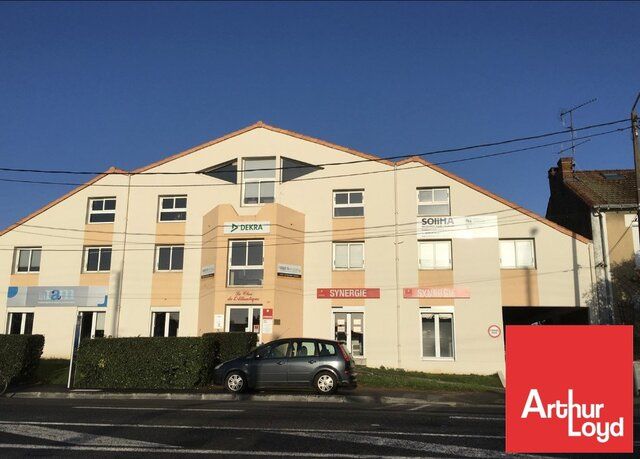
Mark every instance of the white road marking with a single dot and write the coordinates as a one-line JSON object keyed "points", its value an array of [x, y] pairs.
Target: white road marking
{"points": [[76, 438], [127, 408], [171, 451], [261, 429], [416, 408], [395, 405], [477, 418], [436, 448]]}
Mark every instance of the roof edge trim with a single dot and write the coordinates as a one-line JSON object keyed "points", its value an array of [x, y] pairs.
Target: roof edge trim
{"points": [[500, 199], [111, 171]]}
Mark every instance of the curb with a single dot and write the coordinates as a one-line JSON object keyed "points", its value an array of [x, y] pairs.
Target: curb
{"points": [[355, 399]]}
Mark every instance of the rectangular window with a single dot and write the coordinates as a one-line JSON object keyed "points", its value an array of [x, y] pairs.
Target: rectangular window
{"points": [[433, 202], [102, 210], [172, 209], [437, 335], [20, 323], [27, 260], [97, 259], [348, 255], [435, 255], [259, 181], [348, 203], [92, 324], [165, 324], [246, 262], [517, 253], [302, 348], [169, 257]]}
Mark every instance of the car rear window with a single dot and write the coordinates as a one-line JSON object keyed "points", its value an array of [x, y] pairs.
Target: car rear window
{"points": [[327, 349]]}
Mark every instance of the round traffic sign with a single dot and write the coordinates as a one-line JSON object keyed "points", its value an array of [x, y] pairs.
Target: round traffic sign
{"points": [[494, 331]]}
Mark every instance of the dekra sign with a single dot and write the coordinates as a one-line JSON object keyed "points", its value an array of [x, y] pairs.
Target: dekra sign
{"points": [[247, 227]]}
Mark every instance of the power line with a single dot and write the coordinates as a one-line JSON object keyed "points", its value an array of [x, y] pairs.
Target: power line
{"points": [[295, 242], [356, 174], [328, 230], [388, 158]]}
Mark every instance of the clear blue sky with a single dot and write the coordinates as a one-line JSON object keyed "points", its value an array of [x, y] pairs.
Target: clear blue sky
{"points": [[93, 85]]}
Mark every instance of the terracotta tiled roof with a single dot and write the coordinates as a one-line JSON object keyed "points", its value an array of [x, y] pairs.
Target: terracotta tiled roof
{"points": [[360, 154], [604, 187]]}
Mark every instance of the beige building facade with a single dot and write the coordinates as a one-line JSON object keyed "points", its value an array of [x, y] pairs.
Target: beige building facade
{"points": [[271, 231]]}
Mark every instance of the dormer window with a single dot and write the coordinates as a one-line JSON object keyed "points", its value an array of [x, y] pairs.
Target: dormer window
{"points": [[259, 181]]}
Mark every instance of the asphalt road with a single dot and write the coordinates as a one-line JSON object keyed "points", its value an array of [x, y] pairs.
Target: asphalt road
{"points": [[138, 428]]}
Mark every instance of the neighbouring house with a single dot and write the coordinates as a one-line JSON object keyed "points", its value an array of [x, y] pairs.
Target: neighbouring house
{"points": [[283, 234], [602, 206]]}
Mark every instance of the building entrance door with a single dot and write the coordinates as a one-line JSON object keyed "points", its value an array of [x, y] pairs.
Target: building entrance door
{"points": [[244, 319], [349, 329]]}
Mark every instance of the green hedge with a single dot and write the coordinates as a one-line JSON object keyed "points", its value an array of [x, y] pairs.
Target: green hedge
{"points": [[156, 363], [20, 356], [230, 345]]}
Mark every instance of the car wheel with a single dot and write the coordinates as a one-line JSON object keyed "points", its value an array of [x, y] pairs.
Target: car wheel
{"points": [[235, 382], [325, 383]]}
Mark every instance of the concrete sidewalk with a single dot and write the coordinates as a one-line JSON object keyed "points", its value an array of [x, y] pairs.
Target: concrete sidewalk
{"points": [[360, 395]]}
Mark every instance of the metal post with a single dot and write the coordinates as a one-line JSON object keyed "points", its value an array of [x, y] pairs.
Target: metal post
{"points": [[636, 154], [397, 261]]}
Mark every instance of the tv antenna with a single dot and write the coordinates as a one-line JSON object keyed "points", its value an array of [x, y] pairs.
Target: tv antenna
{"points": [[563, 118]]}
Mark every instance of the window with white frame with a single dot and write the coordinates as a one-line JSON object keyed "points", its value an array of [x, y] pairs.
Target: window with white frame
{"points": [[27, 259], [517, 253], [348, 203], [102, 210], [437, 335], [165, 324], [435, 255], [97, 259], [433, 201], [20, 323], [246, 262], [172, 209], [348, 255], [259, 181], [169, 257]]}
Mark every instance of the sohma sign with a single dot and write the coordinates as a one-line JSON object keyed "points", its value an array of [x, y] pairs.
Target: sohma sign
{"points": [[485, 226]]}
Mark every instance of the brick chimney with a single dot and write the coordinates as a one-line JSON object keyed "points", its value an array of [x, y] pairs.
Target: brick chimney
{"points": [[566, 166]]}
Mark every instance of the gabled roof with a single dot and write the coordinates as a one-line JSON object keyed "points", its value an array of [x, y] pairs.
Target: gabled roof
{"points": [[604, 187], [500, 199], [112, 170], [360, 154], [262, 125]]}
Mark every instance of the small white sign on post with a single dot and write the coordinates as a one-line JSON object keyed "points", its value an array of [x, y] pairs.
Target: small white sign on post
{"points": [[267, 325]]}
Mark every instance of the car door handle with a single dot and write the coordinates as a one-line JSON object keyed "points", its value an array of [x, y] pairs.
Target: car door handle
{"points": [[281, 362], [312, 361]]}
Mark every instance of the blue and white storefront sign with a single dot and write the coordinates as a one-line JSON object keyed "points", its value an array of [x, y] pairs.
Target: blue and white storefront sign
{"points": [[81, 296]]}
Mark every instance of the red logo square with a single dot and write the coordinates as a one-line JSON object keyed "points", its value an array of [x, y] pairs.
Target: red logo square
{"points": [[569, 389]]}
